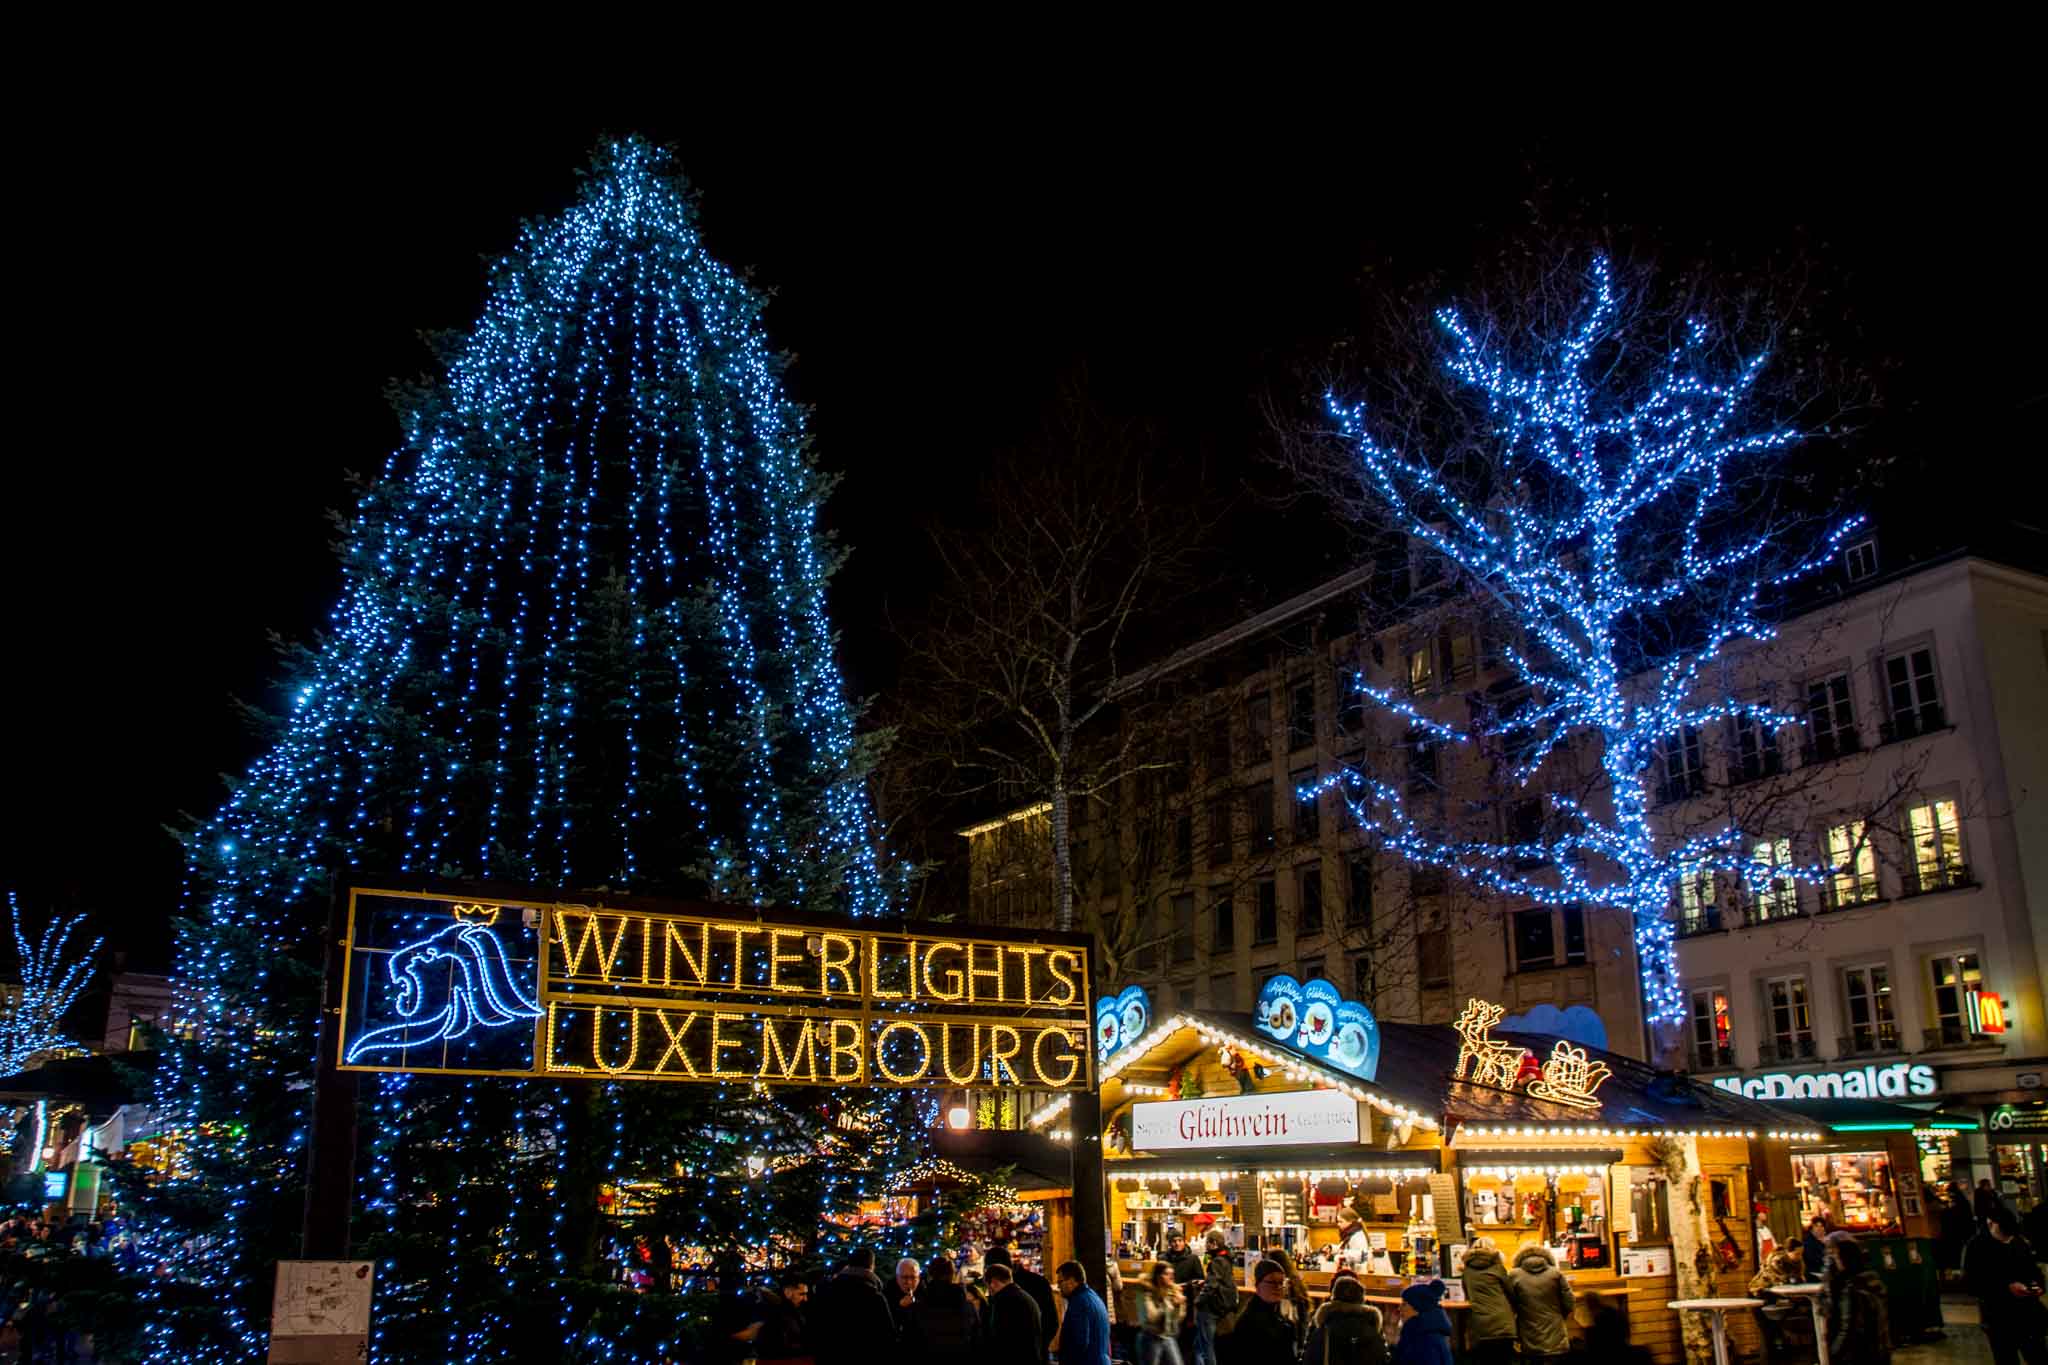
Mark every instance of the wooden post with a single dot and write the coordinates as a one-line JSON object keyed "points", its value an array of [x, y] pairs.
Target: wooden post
{"points": [[1091, 1246], [331, 1162]]}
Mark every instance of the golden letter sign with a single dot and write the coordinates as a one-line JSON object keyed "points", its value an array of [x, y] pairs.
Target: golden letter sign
{"points": [[479, 986]]}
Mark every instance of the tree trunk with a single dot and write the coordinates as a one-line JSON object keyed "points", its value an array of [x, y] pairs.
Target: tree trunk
{"points": [[1688, 1243]]}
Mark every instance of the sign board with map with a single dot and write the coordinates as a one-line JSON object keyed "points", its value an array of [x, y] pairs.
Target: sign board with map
{"points": [[321, 1312]]}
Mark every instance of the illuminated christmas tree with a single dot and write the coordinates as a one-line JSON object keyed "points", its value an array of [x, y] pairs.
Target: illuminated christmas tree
{"points": [[581, 642], [1607, 492]]}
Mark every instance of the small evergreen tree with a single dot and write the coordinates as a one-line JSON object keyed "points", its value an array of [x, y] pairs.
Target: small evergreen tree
{"points": [[581, 642]]}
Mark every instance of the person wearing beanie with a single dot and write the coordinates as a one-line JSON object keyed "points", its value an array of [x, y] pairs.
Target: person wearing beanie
{"points": [[1491, 1319], [1348, 1329], [1543, 1303], [1264, 1335], [1425, 1327]]}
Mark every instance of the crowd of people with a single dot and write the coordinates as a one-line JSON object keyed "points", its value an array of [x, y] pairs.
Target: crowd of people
{"points": [[926, 1314]]}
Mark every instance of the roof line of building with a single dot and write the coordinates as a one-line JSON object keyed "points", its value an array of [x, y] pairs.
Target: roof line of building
{"points": [[1246, 629]]}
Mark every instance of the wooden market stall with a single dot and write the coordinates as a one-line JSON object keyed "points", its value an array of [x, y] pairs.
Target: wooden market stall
{"points": [[1211, 1124]]}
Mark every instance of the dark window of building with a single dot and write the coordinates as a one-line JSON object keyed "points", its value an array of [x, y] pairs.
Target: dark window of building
{"points": [[1308, 809], [1148, 939], [1911, 693], [1424, 880], [1534, 938], [1311, 968], [1756, 753], [1301, 715], [1830, 718], [1259, 811], [1684, 771], [1184, 928], [1266, 923], [1180, 759], [1574, 935], [1358, 894], [1350, 701], [1308, 882], [1183, 844], [1223, 991], [1219, 830], [1258, 725], [1222, 921], [1361, 979], [1433, 959], [1219, 745], [1422, 762], [1860, 559]]}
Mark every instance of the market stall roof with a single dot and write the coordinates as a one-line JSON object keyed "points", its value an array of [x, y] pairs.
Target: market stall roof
{"points": [[1874, 1116], [100, 1083], [1039, 1167], [1413, 1082]]}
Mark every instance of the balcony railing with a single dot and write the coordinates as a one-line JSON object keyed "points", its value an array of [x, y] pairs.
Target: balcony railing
{"points": [[1955, 1035], [1757, 767], [1924, 881], [1787, 1050], [1868, 1043], [1848, 892], [1833, 744], [1680, 789], [1774, 907], [1911, 724], [1691, 924], [1712, 1058]]}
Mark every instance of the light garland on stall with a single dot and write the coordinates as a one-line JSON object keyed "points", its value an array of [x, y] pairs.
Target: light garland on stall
{"points": [[1564, 570], [1569, 1130]]}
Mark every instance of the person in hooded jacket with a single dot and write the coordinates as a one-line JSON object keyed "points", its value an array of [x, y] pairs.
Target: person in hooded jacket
{"points": [[1490, 1322], [943, 1329], [1185, 1260], [1348, 1329], [1425, 1327], [1859, 1319], [1543, 1303], [850, 1313], [1037, 1287]]}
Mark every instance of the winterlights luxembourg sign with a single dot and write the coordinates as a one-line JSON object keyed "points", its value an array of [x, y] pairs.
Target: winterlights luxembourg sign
{"points": [[1898, 1080], [457, 986]]}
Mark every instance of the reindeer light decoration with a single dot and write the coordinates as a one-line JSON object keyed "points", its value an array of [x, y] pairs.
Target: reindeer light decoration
{"points": [[1490, 1063]]}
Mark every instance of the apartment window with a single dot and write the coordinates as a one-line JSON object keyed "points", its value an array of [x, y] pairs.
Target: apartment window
{"points": [[1266, 922], [1424, 880], [1422, 667], [1183, 844], [1358, 894], [1184, 928], [1867, 993], [1523, 822], [1937, 846], [1258, 803], [1219, 831], [1350, 701], [1699, 904], [1179, 759], [1684, 773], [1457, 656], [1308, 809], [1362, 978], [1433, 959], [1788, 1017], [1311, 968], [1223, 991], [1756, 753], [1956, 977], [1574, 917], [1911, 694], [1308, 902], [1852, 879], [1534, 939], [1713, 1030], [1777, 895], [1222, 921], [1219, 744], [1831, 718], [1860, 559], [1422, 762], [1301, 715], [1258, 725], [1148, 939]]}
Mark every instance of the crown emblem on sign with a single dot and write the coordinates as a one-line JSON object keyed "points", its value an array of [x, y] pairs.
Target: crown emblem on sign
{"points": [[486, 915]]}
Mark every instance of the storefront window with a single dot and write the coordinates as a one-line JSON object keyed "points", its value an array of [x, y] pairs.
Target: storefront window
{"points": [[1854, 1188]]}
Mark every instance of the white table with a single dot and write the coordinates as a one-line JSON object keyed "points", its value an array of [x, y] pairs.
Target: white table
{"points": [[1811, 1293], [1717, 1307]]}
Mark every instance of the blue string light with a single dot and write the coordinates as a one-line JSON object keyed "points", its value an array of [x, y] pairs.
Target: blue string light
{"points": [[1580, 469]]}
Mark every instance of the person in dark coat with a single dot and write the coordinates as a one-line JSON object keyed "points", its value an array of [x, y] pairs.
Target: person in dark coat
{"points": [[1814, 1245], [1859, 1319], [1084, 1331], [944, 1329], [1264, 1334], [1348, 1329], [1425, 1326], [1999, 1268], [782, 1319], [1987, 1202], [1037, 1287], [1543, 1303], [1958, 1225], [1012, 1328], [902, 1294], [1216, 1302], [1185, 1260], [850, 1319]]}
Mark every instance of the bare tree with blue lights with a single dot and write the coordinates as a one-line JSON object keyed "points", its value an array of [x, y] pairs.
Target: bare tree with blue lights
{"points": [[1607, 488], [52, 979]]}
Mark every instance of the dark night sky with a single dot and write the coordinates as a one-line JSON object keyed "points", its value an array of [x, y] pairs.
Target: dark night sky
{"points": [[218, 307]]}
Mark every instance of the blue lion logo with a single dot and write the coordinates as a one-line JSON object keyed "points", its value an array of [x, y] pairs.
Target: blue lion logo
{"points": [[482, 993]]}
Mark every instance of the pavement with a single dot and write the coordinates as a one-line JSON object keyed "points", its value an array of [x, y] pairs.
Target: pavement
{"points": [[1962, 1342]]}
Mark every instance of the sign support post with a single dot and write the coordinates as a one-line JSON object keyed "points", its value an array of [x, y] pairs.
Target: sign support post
{"points": [[330, 1181], [1091, 1216]]}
